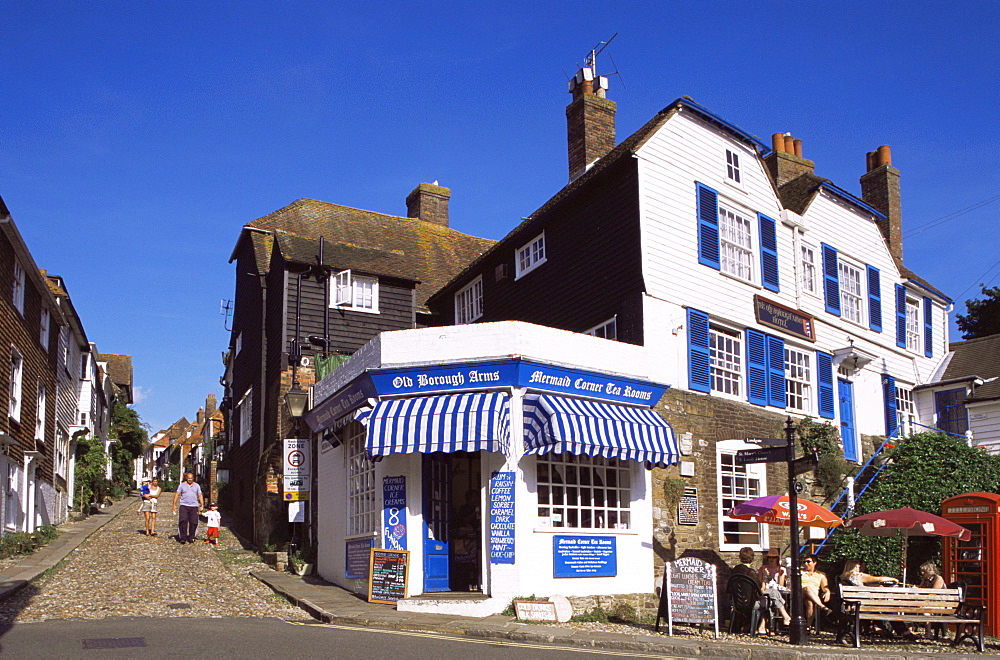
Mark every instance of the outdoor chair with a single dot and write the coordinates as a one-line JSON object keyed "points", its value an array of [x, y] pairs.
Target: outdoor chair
{"points": [[745, 596]]}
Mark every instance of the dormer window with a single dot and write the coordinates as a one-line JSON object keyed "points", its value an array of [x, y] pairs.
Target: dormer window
{"points": [[530, 256], [355, 291], [733, 167]]}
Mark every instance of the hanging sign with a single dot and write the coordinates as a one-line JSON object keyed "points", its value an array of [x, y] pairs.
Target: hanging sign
{"points": [[387, 574], [502, 518], [394, 513], [297, 476], [688, 594], [783, 318]]}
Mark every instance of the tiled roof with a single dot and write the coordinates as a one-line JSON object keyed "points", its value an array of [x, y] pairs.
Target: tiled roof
{"points": [[119, 368], [375, 243], [977, 357]]}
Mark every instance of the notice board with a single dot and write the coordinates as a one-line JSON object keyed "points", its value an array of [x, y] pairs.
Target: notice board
{"points": [[387, 575], [688, 594]]}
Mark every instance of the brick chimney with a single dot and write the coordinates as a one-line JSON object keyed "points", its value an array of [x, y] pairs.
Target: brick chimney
{"points": [[429, 202], [210, 405], [590, 121], [880, 189], [785, 162]]}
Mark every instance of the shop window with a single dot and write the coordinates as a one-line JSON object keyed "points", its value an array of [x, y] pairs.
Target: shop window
{"points": [[584, 492], [739, 483], [362, 517]]}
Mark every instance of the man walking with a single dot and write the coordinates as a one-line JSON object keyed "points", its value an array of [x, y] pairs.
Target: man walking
{"points": [[192, 502]]}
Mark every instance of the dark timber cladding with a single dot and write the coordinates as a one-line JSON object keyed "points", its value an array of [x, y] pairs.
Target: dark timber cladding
{"points": [[593, 263]]}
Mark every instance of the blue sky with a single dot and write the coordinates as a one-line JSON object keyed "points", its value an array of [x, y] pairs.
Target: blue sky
{"points": [[138, 137]]}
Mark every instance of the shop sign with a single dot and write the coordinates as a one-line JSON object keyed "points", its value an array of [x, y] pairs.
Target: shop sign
{"points": [[584, 556], [786, 319], [350, 398], [502, 518], [394, 513], [515, 373]]}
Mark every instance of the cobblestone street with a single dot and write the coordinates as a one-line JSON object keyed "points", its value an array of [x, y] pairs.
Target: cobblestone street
{"points": [[119, 571]]}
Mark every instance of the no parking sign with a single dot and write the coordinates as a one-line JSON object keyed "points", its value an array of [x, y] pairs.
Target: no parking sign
{"points": [[297, 474]]}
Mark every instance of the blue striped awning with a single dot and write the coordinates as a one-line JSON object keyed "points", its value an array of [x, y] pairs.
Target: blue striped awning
{"points": [[560, 424], [451, 422]]}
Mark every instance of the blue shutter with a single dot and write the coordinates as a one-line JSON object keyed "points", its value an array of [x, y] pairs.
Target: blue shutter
{"points": [[874, 299], [824, 376], [756, 367], [708, 226], [928, 327], [768, 252], [889, 396], [831, 280], [900, 316], [699, 356], [776, 393]]}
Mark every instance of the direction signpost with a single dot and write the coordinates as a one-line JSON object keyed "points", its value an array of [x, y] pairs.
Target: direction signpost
{"points": [[765, 455]]}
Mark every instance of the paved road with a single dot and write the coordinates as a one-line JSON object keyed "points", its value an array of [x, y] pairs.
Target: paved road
{"points": [[258, 638], [118, 572]]}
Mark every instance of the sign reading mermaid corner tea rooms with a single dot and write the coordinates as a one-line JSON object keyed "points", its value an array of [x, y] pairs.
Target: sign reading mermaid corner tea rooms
{"points": [[584, 556], [516, 373]]}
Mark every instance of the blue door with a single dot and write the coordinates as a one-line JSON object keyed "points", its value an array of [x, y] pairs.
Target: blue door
{"points": [[847, 433], [437, 511]]}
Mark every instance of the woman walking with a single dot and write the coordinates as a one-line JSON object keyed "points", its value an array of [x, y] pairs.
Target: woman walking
{"points": [[154, 495]]}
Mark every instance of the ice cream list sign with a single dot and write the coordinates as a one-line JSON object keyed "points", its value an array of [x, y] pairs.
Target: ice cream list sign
{"points": [[502, 518], [515, 373]]}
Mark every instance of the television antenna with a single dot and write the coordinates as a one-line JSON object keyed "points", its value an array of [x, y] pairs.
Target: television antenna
{"points": [[591, 59], [226, 309]]}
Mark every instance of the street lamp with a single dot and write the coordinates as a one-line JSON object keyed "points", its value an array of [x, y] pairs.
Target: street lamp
{"points": [[296, 400]]}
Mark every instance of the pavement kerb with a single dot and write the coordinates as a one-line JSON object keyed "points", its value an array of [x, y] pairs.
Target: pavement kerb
{"points": [[30, 567], [332, 604]]}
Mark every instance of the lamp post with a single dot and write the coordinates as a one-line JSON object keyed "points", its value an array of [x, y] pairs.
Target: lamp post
{"points": [[797, 629]]}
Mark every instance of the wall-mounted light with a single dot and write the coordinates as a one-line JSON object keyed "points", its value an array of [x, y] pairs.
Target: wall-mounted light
{"points": [[296, 400]]}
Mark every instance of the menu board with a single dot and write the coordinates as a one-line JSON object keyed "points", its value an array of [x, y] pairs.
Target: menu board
{"points": [[387, 575], [502, 518], [358, 557], [688, 594]]}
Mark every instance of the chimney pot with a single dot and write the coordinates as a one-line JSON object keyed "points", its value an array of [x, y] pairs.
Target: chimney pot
{"points": [[798, 148], [884, 155], [789, 144], [778, 142]]}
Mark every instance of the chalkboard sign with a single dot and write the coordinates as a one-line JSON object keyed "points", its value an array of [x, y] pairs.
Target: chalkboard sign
{"points": [[688, 594], [387, 575]]}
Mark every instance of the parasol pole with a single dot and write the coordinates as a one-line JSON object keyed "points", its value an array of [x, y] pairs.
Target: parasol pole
{"points": [[797, 627], [906, 541]]}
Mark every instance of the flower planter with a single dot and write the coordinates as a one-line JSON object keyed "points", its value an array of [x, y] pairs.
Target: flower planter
{"points": [[300, 568]]}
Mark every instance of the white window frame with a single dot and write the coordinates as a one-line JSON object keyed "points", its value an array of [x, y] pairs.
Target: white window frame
{"points": [[807, 262], [64, 346], [734, 173], [906, 410], [726, 358], [529, 256], [359, 292], [246, 416], [914, 326], [735, 484], [362, 495], [736, 243], [17, 295], [238, 344], [852, 292], [62, 448], [40, 412], [584, 492], [16, 379], [469, 302], [798, 380], [44, 325], [606, 330]]}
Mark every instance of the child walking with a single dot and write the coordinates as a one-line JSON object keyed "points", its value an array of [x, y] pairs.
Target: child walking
{"points": [[214, 519]]}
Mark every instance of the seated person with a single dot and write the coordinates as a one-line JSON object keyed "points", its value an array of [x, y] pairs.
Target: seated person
{"points": [[772, 578], [854, 575], [745, 567], [930, 578], [815, 588]]}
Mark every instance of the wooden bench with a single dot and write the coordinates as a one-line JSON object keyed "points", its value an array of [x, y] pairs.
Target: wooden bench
{"points": [[911, 605]]}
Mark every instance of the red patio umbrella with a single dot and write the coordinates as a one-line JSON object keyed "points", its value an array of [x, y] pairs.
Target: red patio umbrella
{"points": [[774, 510], [906, 522]]}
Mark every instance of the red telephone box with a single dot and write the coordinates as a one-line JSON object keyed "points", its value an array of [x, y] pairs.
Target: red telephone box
{"points": [[976, 561]]}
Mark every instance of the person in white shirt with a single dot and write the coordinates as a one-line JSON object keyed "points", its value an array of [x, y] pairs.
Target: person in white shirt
{"points": [[214, 519]]}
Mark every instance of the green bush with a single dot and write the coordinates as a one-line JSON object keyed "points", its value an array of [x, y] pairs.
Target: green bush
{"points": [[23, 543], [596, 615]]}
